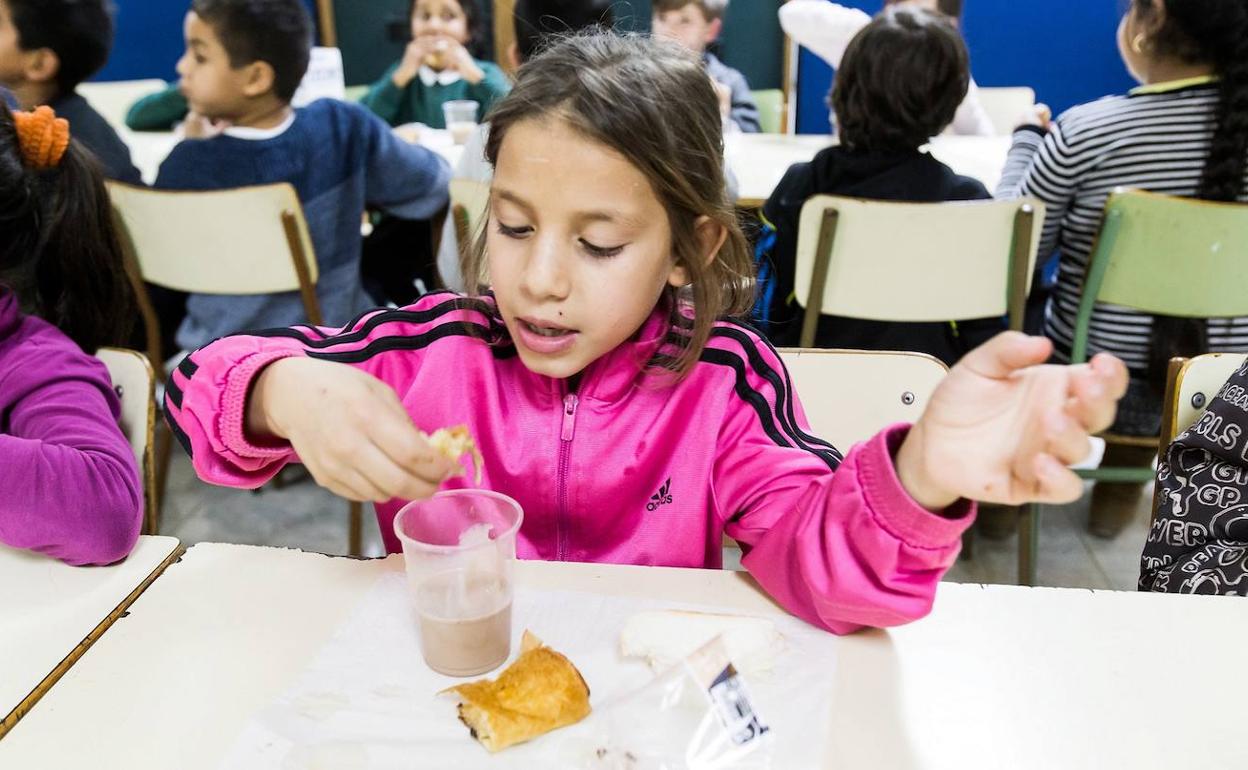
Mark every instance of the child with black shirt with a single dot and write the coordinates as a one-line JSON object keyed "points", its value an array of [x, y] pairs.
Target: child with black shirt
{"points": [[900, 83]]}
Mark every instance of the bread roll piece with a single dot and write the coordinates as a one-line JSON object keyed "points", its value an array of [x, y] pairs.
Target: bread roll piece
{"points": [[666, 637], [539, 692], [453, 444]]}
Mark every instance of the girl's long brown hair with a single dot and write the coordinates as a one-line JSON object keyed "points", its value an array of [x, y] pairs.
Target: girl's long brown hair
{"points": [[652, 102]]}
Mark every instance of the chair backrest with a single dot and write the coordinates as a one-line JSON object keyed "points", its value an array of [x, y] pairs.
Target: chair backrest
{"points": [[113, 99], [1006, 105], [1193, 385], [770, 102], [850, 395], [917, 261], [1165, 255], [469, 199], [249, 240], [134, 382]]}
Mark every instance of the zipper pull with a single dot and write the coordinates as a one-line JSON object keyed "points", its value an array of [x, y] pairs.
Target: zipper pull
{"points": [[569, 416]]}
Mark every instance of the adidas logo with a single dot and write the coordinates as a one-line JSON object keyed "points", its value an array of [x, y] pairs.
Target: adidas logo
{"points": [[660, 498]]}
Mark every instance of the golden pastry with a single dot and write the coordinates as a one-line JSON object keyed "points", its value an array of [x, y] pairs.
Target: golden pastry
{"points": [[454, 443], [437, 58], [539, 692]]}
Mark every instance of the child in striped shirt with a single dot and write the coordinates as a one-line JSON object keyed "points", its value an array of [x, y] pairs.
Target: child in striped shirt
{"points": [[1184, 132]]}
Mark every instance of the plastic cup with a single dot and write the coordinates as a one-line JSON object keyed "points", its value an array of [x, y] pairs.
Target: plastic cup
{"points": [[459, 548], [461, 118]]}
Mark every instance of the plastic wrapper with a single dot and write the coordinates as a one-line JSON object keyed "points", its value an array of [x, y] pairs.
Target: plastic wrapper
{"points": [[696, 715]]}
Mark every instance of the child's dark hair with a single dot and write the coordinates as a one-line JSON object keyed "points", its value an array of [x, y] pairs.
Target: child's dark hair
{"points": [[278, 32], [1213, 32], [476, 24], [539, 21], [900, 82], [711, 9], [592, 82], [80, 32], [60, 253], [951, 8]]}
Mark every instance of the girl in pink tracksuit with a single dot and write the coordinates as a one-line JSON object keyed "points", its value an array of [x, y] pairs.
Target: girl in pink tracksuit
{"points": [[631, 425]]}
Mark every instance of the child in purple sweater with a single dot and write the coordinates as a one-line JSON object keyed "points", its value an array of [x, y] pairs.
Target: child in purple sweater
{"points": [[69, 485]]}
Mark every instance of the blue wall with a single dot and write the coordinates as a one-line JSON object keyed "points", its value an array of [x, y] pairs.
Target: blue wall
{"points": [[1065, 49], [149, 39]]}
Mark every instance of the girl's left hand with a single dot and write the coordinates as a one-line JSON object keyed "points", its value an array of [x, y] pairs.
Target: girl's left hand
{"points": [[1003, 427], [458, 58]]}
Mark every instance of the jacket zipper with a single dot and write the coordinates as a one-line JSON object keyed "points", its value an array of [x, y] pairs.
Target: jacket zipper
{"points": [[565, 459]]}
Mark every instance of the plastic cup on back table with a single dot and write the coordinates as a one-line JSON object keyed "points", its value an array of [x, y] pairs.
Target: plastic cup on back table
{"points": [[461, 118]]}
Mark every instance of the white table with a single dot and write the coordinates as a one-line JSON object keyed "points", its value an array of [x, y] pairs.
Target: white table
{"points": [[997, 677], [51, 613], [760, 160], [148, 149]]}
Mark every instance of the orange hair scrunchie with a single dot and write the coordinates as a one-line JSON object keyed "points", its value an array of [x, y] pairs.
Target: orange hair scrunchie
{"points": [[42, 136]]}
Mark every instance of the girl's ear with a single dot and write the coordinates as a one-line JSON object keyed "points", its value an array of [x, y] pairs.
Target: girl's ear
{"points": [[258, 79], [40, 65], [711, 237]]}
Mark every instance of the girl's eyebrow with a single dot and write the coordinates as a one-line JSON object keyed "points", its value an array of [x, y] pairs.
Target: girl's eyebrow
{"points": [[599, 215]]}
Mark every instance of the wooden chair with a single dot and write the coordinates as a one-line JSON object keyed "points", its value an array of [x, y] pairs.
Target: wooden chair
{"points": [[1006, 105], [770, 104], [1162, 255], [915, 261], [469, 206], [850, 395], [250, 240], [1191, 383], [114, 99], [134, 381]]}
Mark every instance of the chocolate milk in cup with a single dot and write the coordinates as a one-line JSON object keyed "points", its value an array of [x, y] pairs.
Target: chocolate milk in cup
{"points": [[459, 547]]}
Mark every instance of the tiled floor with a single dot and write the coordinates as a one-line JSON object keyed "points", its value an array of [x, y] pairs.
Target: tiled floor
{"points": [[302, 515]]}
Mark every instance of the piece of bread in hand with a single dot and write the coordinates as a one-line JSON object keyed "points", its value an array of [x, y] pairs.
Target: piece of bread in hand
{"points": [[666, 637], [539, 692], [453, 444]]}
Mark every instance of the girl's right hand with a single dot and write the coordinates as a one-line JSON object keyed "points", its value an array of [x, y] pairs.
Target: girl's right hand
{"points": [[348, 428]]}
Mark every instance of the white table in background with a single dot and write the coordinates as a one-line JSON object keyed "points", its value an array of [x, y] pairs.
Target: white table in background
{"points": [[148, 149], [996, 677], [50, 613], [760, 160]]}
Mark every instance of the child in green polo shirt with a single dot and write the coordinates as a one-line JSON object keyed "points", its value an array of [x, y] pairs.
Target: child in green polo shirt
{"points": [[437, 67]]}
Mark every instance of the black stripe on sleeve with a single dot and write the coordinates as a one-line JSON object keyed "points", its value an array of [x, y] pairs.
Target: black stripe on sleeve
{"points": [[379, 318], [758, 402], [179, 434], [779, 381], [417, 342]]}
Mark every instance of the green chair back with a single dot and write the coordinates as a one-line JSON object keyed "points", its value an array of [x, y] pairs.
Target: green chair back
{"points": [[770, 110], [1165, 255]]}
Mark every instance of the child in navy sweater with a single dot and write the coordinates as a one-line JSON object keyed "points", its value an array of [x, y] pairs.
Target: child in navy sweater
{"points": [[48, 47], [243, 62]]}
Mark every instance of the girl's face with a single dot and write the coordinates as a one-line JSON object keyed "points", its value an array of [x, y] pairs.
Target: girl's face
{"points": [[579, 246], [440, 18]]}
